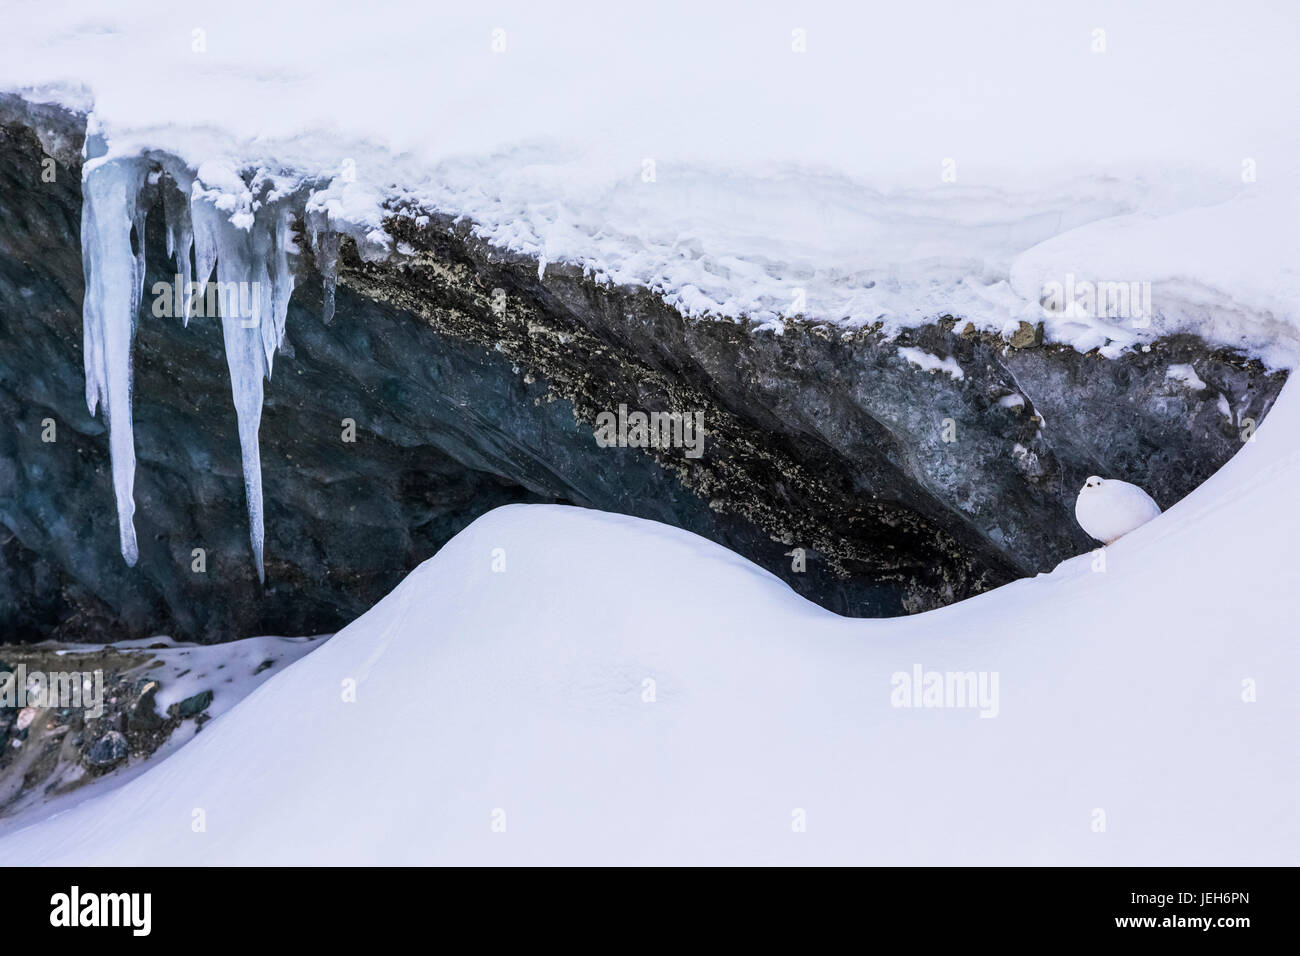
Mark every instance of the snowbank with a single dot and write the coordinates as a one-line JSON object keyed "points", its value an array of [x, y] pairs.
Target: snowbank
{"points": [[566, 686], [849, 164]]}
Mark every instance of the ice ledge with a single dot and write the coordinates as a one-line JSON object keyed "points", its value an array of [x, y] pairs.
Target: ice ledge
{"points": [[1141, 257]]}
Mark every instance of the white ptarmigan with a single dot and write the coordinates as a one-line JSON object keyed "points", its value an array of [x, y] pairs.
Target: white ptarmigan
{"points": [[1108, 508]]}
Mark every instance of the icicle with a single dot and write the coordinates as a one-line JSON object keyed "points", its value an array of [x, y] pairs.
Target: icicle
{"points": [[249, 244], [180, 234], [114, 276], [244, 358], [218, 240], [251, 252], [325, 244], [277, 280], [204, 228]]}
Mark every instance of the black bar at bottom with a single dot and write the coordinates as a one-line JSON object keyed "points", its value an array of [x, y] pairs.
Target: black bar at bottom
{"points": [[240, 905]]}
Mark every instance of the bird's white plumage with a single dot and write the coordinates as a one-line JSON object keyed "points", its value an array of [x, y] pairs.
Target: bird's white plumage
{"points": [[1108, 508]]}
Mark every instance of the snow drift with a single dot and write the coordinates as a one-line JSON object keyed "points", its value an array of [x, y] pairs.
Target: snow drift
{"points": [[566, 686], [853, 165]]}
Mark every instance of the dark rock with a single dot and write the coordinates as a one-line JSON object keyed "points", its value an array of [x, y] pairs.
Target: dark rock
{"points": [[144, 714], [108, 750], [193, 706]]}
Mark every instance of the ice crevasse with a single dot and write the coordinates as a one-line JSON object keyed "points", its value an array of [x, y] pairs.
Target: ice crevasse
{"points": [[238, 227]]}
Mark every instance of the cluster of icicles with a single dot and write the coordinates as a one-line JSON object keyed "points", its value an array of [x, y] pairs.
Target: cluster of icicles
{"points": [[245, 231]]}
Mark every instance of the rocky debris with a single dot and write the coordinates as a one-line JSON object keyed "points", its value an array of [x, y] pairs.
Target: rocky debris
{"points": [[155, 695], [62, 748]]}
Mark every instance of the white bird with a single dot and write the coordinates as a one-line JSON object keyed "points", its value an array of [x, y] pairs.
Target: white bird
{"points": [[1108, 508]]}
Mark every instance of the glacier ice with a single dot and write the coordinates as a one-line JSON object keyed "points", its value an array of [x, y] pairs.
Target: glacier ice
{"points": [[242, 232]]}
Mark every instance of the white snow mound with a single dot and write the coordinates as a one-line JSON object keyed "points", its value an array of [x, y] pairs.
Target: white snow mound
{"points": [[618, 691]]}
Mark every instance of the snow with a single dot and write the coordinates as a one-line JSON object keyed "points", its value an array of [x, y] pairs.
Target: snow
{"points": [[1188, 259], [625, 692], [231, 670], [1185, 375], [932, 363], [1225, 409], [854, 165]]}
